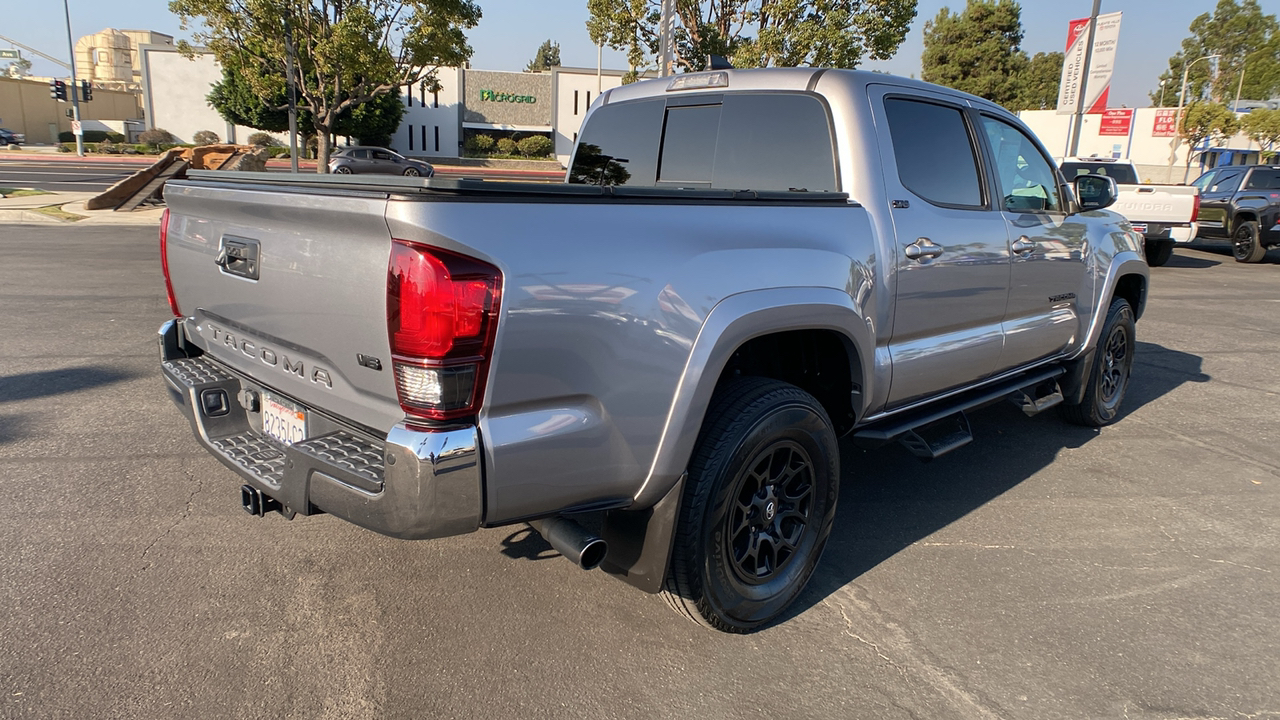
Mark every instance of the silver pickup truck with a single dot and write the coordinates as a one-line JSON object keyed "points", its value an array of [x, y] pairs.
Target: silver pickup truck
{"points": [[741, 267]]}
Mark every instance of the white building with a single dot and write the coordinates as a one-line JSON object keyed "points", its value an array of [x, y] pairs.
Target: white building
{"points": [[434, 124], [1149, 143]]}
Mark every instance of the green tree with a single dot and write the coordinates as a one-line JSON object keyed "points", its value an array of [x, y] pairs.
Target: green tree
{"points": [[1206, 120], [1038, 86], [1263, 127], [751, 33], [371, 123], [19, 68], [547, 57], [977, 50], [346, 53], [1245, 39]]}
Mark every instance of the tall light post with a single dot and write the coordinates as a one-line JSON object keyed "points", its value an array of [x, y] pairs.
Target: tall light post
{"points": [[1177, 118], [75, 92], [1162, 84]]}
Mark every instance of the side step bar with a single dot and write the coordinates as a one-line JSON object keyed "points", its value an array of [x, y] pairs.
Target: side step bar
{"points": [[941, 427]]}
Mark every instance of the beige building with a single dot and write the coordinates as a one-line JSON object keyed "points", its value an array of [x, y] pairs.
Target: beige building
{"points": [[111, 58], [25, 107]]}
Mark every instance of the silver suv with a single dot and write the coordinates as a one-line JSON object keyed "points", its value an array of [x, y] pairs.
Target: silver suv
{"points": [[361, 159]]}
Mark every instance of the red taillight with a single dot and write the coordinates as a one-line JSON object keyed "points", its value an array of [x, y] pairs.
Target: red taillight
{"points": [[442, 313], [164, 262], [1195, 209]]}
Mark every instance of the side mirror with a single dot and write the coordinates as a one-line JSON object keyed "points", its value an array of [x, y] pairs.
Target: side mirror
{"points": [[1095, 192]]}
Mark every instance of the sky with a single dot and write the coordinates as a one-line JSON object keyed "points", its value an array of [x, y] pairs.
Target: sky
{"points": [[511, 30]]}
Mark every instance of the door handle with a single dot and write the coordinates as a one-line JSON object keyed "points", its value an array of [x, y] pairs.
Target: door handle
{"points": [[923, 248], [1023, 246]]}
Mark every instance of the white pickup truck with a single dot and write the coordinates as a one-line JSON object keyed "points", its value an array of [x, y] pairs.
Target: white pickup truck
{"points": [[1164, 214]]}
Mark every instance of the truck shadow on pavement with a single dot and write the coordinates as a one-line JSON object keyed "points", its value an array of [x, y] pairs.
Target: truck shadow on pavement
{"points": [[47, 383], [889, 500]]}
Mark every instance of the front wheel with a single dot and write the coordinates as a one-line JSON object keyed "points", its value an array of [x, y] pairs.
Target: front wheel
{"points": [[1158, 252], [1245, 243], [1112, 367], [758, 505], [411, 172], [342, 170]]}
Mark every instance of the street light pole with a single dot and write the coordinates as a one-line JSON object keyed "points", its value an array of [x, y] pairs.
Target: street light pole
{"points": [[1177, 117], [293, 97], [1162, 84], [75, 94]]}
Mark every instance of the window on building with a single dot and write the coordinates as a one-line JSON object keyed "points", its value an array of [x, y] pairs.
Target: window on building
{"points": [[423, 145], [104, 57], [435, 100], [934, 154], [437, 138], [411, 138]]}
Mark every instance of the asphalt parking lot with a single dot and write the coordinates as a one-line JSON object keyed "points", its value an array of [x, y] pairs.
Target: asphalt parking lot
{"points": [[1045, 571]]}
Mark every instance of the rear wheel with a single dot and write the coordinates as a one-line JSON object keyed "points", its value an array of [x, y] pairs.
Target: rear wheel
{"points": [[1112, 367], [758, 505], [1245, 243], [1158, 252]]}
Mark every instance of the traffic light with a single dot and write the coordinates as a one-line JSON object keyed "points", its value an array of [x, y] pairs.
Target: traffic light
{"points": [[58, 90], [86, 90]]}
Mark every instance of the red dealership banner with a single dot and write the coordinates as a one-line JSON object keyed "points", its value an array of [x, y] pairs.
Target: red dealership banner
{"points": [[1116, 122], [1166, 124]]}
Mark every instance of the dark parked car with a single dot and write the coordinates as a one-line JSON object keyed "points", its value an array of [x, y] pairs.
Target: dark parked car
{"points": [[363, 160], [1241, 203], [9, 137]]}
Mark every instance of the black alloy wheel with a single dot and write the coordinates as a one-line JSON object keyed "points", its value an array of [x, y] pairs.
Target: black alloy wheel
{"points": [[759, 502], [1112, 368], [771, 512], [1246, 246]]}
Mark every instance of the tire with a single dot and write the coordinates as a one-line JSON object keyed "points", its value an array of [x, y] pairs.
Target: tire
{"points": [[1245, 243], [1109, 376], [342, 170], [1158, 252], [757, 431], [411, 172]]}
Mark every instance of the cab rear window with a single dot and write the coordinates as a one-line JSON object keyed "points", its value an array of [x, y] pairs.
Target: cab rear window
{"points": [[747, 141], [1122, 174]]}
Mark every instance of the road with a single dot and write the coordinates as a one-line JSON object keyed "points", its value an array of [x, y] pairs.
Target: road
{"points": [[1045, 571], [96, 175]]}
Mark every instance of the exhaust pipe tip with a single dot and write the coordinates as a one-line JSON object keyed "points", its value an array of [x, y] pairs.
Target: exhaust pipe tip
{"points": [[580, 547]]}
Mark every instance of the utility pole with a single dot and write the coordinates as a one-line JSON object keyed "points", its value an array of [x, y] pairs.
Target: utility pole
{"points": [[667, 39], [293, 97], [1078, 119], [75, 95]]}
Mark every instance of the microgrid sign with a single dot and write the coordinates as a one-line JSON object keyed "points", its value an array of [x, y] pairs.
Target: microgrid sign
{"points": [[1166, 124], [1116, 122]]}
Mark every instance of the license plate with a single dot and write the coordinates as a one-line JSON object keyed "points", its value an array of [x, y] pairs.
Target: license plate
{"points": [[283, 420], [1140, 227]]}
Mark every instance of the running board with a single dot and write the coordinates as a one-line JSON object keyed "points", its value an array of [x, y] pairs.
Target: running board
{"points": [[896, 427], [938, 438], [1035, 400]]}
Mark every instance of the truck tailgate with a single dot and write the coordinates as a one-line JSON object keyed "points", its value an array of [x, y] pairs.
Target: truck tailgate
{"points": [[1157, 203], [290, 289]]}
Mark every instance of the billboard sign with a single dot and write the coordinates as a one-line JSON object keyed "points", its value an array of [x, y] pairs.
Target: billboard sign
{"points": [[1101, 64], [1116, 122], [1166, 124]]}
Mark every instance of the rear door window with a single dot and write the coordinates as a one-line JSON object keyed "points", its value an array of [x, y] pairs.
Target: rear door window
{"points": [[1264, 180], [934, 152], [1226, 181]]}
